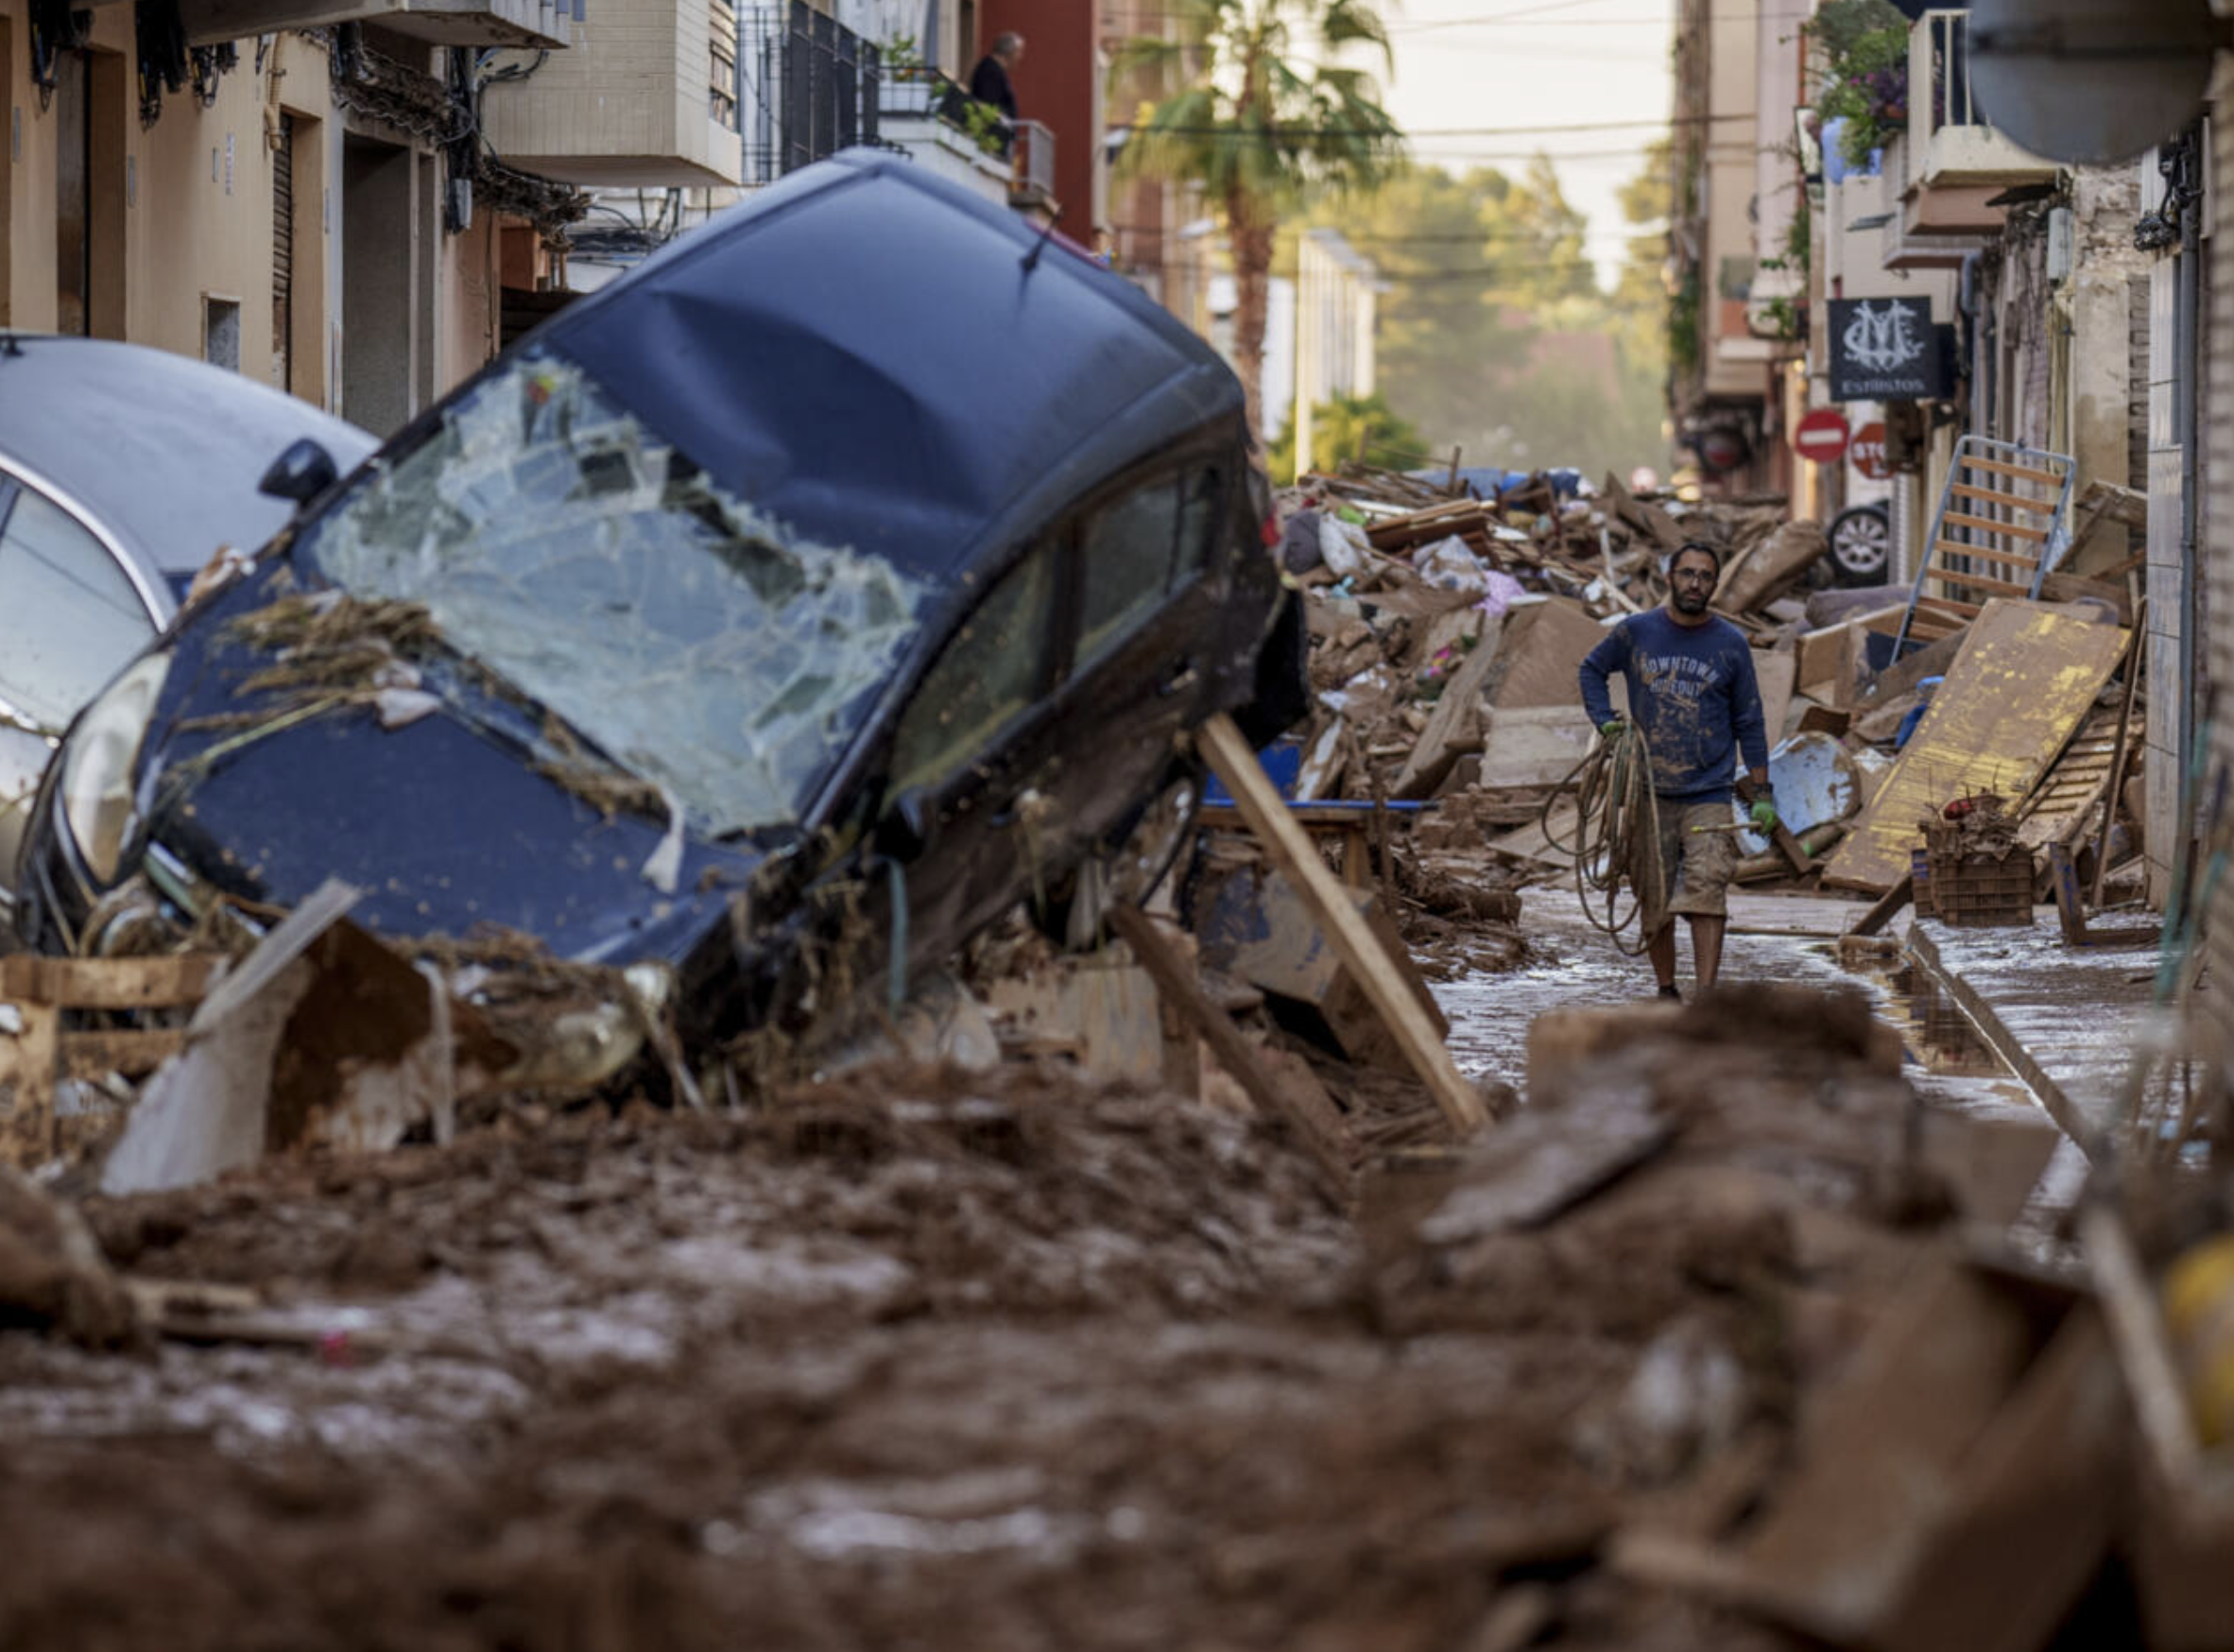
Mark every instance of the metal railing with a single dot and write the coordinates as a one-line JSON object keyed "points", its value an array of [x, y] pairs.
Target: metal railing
{"points": [[811, 87], [1033, 179], [1941, 93]]}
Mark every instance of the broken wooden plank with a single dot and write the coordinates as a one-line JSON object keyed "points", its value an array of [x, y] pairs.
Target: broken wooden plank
{"points": [[1885, 908], [2024, 679], [110, 983], [1235, 764], [1313, 1116], [2136, 659], [1451, 726]]}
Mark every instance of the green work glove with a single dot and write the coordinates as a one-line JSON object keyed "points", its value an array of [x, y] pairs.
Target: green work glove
{"points": [[1613, 730], [1764, 816]]}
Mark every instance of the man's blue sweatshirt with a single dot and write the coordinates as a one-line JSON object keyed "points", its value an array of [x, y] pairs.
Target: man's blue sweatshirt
{"points": [[1691, 691]]}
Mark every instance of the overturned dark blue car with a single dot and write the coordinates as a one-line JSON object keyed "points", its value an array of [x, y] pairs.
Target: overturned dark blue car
{"points": [[846, 574]]}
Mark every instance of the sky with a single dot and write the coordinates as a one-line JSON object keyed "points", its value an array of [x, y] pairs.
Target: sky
{"points": [[1507, 64]]}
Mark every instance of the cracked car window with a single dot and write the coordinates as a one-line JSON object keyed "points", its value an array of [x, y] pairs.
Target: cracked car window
{"points": [[994, 667], [558, 540]]}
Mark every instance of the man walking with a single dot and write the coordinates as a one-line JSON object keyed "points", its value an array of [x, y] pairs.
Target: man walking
{"points": [[1693, 698]]}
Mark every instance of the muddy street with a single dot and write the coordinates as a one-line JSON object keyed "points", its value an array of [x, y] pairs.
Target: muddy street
{"points": [[919, 1358], [754, 923]]}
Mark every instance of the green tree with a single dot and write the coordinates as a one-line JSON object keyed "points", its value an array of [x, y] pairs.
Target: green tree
{"points": [[1351, 427], [1241, 109], [1471, 268]]}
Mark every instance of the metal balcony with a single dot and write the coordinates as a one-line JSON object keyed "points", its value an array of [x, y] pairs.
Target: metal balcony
{"points": [[539, 23], [1031, 184], [1950, 143]]}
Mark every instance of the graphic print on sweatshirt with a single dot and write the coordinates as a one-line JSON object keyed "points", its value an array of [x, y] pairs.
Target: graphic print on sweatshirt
{"points": [[1691, 691]]}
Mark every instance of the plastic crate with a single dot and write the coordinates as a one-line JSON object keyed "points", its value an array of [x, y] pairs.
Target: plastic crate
{"points": [[1923, 895], [1978, 892]]}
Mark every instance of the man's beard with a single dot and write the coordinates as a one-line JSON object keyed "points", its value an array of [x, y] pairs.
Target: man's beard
{"points": [[1690, 601]]}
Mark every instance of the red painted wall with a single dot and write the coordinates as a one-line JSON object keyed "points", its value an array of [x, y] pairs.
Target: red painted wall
{"points": [[1055, 85]]}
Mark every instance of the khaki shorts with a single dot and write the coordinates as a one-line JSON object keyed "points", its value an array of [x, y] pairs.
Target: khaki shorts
{"points": [[1698, 866]]}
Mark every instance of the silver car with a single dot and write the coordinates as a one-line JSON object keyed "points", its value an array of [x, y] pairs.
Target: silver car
{"points": [[123, 471]]}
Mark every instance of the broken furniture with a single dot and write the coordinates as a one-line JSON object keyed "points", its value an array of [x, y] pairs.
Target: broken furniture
{"points": [[1992, 536], [39, 1051], [1353, 825]]}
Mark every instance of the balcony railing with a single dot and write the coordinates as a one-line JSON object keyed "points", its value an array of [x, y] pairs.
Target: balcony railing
{"points": [[1032, 184], [815, 87], [451, 22], [1951, 144]]}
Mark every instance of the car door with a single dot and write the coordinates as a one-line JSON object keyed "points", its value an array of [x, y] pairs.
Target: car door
{"points": [[1149, 585], [70, 618], [975, 738]]}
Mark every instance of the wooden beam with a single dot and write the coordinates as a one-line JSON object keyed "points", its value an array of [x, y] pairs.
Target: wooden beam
{"points": [[1313, 1117], [1987, 496], [2022, 472], [1985, 554], [2016, 530], [1234, 763], [2116, 788], [1440, 743], [110, 983], [1886, 908]]}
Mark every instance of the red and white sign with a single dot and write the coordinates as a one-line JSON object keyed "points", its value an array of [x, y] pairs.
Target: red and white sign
{"points": [[1821, 436], [1869, 451]]}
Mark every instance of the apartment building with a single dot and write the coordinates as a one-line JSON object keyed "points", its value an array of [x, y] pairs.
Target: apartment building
{"points": [[1726, 354], [2052, 306]]}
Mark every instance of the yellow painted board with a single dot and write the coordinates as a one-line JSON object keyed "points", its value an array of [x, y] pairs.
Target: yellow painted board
{"points": [[2025, 678]]}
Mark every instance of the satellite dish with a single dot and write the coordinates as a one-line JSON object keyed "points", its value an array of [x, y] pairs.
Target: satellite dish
{"points": [[2091, 80]]}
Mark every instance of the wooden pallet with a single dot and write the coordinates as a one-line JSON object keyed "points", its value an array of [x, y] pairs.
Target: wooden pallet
{"points": [[40, 1052], [2065, 802]]}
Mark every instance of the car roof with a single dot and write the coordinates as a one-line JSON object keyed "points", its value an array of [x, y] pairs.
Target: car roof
{"points": [[163, 450], [880, 359]]}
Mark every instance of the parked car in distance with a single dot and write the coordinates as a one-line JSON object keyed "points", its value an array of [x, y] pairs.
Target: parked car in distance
{"points": [[853, 567], [122, 471], [1861, 545]]}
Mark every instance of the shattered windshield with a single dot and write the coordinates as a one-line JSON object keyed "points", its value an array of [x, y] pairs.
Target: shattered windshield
{"points": [[558, 540]]}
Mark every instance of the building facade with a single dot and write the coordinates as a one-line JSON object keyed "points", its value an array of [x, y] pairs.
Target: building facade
{"points": [[2062, 309]]}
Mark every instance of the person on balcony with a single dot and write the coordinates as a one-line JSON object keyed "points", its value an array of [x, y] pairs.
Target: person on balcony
{"points": [[991, 85]]}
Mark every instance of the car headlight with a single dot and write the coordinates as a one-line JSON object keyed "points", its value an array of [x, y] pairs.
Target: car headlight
{"points": [[98, 761]]}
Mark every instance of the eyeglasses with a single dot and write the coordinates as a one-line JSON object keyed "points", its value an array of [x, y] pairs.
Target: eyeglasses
{"points": [[1693, 576]]}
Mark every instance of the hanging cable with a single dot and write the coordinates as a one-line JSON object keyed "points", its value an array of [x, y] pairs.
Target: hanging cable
{"points": [[1617, 838]]}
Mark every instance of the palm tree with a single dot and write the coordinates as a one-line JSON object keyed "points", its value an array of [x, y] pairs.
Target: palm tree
{"points": [[1237, 110]]}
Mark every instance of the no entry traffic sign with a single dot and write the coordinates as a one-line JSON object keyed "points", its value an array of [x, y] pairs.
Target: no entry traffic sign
{"points": [[1869, 451], [1821, 436]]}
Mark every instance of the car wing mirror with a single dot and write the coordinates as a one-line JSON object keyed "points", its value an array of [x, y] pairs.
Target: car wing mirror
{"points": [[304, 471], [903, 830]]}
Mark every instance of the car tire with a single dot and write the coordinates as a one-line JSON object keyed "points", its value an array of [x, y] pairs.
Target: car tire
{"points": [[1127, 872], [1862, 545]]}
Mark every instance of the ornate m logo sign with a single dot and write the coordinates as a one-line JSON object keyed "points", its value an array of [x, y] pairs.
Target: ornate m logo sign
{"points": [[1884, 349]]}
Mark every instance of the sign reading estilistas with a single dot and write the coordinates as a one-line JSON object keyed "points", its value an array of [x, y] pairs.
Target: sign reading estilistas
{"points": [[1884, 349]]}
